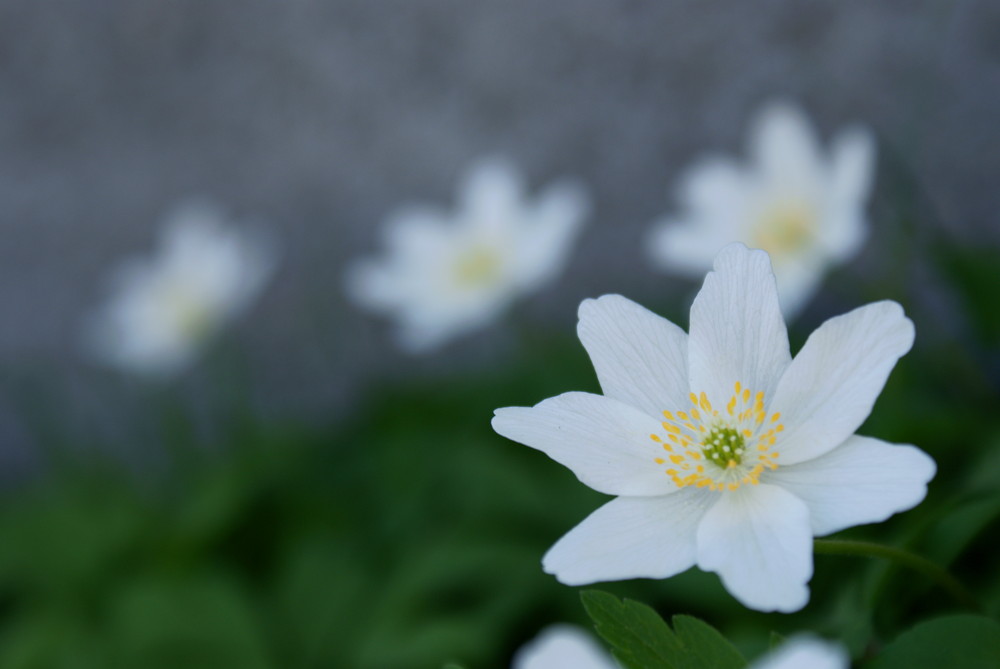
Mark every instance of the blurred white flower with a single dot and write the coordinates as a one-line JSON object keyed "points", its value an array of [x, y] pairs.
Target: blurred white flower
{"points": [[563, 647], [445, 273], [569, 647], [163, 308], [722, 450], [804, 652], [804, 206]]}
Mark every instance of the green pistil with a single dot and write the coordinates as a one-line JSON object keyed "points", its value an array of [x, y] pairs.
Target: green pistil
{"points": [[723, 445]]}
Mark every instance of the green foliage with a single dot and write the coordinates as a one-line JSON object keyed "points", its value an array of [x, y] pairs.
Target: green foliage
{"points": [[640, 639], [960, 641], [409, 535]]}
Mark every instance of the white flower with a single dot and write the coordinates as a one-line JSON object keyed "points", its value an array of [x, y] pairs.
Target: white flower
{"points": [[724, 452], [804, 652], [569, 647], [163, 308], [563, 647], [445, 273], [805, 208]]}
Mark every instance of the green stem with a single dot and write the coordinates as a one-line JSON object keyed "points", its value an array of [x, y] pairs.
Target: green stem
{"points": [[931, 570]]}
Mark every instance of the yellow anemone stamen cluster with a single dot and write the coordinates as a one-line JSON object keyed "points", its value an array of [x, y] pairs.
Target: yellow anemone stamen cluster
{"points": [[720, 451], [477, 267]]}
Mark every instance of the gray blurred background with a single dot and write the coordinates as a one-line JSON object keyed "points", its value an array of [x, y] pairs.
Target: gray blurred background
{"points": [[319, 117]]}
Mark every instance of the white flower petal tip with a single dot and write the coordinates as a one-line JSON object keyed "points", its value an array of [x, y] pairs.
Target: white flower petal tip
{"points": [[862, 481], [640, 358], [162, 309], [724, 451], [803, 205], [758, 540], [563, 647], [446, 273], [831, 386], [804, 652]]}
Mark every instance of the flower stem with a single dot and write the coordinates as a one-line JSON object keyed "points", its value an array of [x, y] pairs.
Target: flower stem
{"points": [[931, 570]]}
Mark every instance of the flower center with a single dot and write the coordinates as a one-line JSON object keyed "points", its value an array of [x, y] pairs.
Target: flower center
{"points": [[723, 445], [477, 267], [189, 315], [720, 450], [785, 228]]}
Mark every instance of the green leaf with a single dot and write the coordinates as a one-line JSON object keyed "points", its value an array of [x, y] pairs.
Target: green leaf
{"points": [[966, 641], [706, 648], [640, 639], [196, 621]]}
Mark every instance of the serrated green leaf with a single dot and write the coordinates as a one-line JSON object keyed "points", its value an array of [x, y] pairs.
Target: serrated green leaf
{"points": [[704, 646], [638, 635], [641, 639], [966, 641]]}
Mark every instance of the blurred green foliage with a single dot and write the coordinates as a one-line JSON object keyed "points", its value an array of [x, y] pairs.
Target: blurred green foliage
{"points": [[410, 535]]}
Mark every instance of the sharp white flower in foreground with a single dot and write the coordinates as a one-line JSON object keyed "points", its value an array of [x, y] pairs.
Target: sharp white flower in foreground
{"points": [[444, 273], [569, 647], [163, 308], [722, 450], [563, 647], [802, 205]]}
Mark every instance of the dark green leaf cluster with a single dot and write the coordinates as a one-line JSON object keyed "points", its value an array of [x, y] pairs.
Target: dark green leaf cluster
{"points": [[641, 639]]}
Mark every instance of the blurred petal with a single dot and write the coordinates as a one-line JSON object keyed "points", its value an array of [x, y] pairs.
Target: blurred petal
{"points": [[684, 247], [798, 281], [784, 146], [804, 652], [853, 164], [548, 232], [563, 647], [491, 194], [716, 187]]}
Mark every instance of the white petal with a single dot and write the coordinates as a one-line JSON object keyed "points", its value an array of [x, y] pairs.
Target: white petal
{"points": [[604, 442], [550, 227], [421, 337], [863, 480], [640, 358], [805, 652], [416, 229], [631, 537], [757, 538], [685, 247], [845, 225], [737, 331], [785, 148], [716, 189], [798, 281], [563, 647], [853, 164], [830, 387], [374, 285], [713, 198], [491, 194]]}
